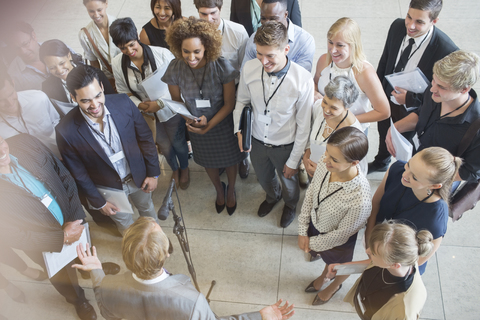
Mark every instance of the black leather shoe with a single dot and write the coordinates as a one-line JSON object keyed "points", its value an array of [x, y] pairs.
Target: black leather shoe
{"points": [[231, 210], [375, 166], [288, 216], [85, 311], [266, 207], [108, 268], [221, 207], [244, 168]]}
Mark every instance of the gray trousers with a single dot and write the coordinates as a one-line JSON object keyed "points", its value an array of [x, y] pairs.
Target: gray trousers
{"points": [[142, 201], [266, 161]]}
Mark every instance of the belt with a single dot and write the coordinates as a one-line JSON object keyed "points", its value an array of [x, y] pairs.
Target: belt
{"points": [[268, 145], [127, 179]]}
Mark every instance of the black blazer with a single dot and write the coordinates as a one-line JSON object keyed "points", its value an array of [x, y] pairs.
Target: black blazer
{"points": [[240, 13], [87, 161], [53, 87], [26, 223], [440, 45]]}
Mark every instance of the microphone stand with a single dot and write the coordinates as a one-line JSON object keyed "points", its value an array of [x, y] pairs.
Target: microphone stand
{"points": [[178, 230]]}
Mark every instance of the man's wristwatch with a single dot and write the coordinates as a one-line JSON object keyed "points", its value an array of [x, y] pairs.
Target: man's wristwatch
{"points": [[160, 103]]}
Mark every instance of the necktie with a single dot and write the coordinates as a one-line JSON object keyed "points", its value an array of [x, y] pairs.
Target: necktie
{"points": [[402, 62]]}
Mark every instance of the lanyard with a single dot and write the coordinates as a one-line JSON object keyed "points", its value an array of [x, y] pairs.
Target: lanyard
{"points": [[102, 136], [329, 195], [330, 128], [442, 117], [409, 208], [411, 54], [23, 183], [201, 83], [10, 125], [274, 92]]}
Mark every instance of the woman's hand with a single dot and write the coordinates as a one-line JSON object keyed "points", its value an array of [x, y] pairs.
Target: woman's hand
{"points": [[331, 273], [303, 243], [199, 126], [317, 96], [152, 106], [310, 166]]}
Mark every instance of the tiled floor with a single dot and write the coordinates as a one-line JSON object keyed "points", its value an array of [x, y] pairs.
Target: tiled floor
{"points": [[252, 259]]}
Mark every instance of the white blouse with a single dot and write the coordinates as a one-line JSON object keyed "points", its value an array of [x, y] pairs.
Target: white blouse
{"points": [[337, 215]]}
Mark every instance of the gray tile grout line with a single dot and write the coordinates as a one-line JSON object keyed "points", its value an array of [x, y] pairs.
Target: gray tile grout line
{"points": [[440, 283]]}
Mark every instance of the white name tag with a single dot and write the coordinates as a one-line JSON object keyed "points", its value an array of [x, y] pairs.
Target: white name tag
{"points": [[264, 119], [203, 103], [46, 200], [416, 142], [117, 157]]}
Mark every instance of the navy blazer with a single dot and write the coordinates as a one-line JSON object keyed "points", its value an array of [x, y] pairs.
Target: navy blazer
{"points": [[26, 223], [440, 45], [87, 161], [240, 13]]}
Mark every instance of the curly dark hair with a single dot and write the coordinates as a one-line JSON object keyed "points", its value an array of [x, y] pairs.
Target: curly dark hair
{"points": [[195, 28]]}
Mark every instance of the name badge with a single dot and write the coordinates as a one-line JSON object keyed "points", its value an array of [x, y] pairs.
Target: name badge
{"points": [[117, 157], [416, 141], [46, 200], [202, 103], [264, 119]]}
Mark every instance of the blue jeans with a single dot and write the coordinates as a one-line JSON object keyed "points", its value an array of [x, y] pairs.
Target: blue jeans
{"points": [[172, 143]]}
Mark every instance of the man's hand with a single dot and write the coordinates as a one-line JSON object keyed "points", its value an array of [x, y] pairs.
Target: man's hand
{"points": [[389, 143], [275, 312], [400, 96], [109, 209], [289, 172], [304, 243], [72, 231], [89, 261], [152, 107], [149, 184], [240, 142]]}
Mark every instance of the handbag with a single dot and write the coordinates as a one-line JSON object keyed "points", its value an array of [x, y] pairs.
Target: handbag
{"points": [[467, 197], [246, 127], [105, 62]]}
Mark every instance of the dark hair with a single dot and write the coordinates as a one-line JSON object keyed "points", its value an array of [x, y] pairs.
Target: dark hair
{"points": [[123, 31], [87, 1], [80, 77], [282, 2], [272, 33], [208, 4], [176, 8], [18, 26], [352, 142], [432, 6], [57, 48]]}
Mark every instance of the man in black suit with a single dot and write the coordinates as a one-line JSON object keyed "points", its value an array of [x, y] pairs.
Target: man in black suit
{"points": [[411, 42], [241, 12], [40, 210]]}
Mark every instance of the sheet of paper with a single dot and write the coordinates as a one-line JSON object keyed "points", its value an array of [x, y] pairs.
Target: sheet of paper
{"points": [[153, 85], [55, 261], [403, 148], [317, 151], [179, 108], [347, 269], [116, 197], [414, 80]]}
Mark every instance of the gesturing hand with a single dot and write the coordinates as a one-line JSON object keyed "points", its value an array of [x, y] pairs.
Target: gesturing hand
{"points": [[89, 261], [277, 312]]}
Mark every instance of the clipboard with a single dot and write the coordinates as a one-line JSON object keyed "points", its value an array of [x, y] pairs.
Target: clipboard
{"points": [[245, 126], [178, 107], [414, 80], [116, 197]]}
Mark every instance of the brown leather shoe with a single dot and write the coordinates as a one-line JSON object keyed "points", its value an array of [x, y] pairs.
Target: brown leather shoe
{"points": [[85, 311]]}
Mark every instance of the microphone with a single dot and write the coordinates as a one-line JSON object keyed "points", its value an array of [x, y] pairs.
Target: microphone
{"points": [[164, 210]]}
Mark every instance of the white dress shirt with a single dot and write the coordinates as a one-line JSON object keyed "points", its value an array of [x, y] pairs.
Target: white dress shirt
{"points": [[107, 50], [162, 58], [25, 76], [158, 279], [421, 43], [234, 40], [290, 108]]}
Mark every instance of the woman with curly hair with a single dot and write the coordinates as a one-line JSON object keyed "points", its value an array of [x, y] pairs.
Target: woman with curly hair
{"points": [[206, 82]]}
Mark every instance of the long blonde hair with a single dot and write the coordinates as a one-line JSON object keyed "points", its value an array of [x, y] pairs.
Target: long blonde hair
{"points": [[351, 35]]}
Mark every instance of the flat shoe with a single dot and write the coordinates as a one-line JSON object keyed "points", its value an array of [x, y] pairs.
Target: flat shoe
{"points": [[218, 206], [317, 257], [317, 301], [231, 210], [185, 185]]}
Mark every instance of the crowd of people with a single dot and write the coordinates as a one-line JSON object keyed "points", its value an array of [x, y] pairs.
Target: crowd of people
{"points": [[73, 125]]}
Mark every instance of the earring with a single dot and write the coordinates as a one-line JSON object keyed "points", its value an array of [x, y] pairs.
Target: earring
{"points": [[429, 192]]}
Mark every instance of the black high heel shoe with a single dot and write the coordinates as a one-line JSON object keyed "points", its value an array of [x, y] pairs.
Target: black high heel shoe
{"points": [[231, 210], [218, 206]]}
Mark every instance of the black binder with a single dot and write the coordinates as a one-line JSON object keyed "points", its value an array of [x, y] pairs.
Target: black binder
{"points": [[246, 127]]}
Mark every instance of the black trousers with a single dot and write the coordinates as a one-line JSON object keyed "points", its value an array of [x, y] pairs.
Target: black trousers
{"points": [[65, 281], [397, 113]]}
